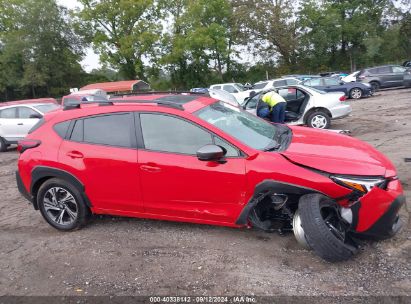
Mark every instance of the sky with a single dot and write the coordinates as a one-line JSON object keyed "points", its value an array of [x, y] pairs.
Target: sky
{"points": [[91, 60]]}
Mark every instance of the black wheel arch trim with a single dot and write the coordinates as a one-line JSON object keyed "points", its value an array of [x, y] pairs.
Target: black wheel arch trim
{"points": [[271, 186], [41, 172]]}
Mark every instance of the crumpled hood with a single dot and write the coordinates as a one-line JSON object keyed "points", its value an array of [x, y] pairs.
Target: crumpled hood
{"points": [[336, 153]]}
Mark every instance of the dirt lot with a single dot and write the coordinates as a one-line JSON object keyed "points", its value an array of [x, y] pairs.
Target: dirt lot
{"points": [[121, 256]]}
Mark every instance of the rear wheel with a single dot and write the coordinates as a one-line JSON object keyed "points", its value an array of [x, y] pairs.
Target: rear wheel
{"points": [[355, 93], [319, 120], [3, 145], [375, 85], [325, 230], [62, 205]]}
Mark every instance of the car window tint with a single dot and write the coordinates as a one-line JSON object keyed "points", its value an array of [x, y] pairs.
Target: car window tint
{"points": [[77, 133], [216, 87], [61, 128], [111, 130], [25, 112], [8, 113], [280, 83], [397, 69], [231, 151], [171, 134], [230, 89], [384, 70], [331, 82]]}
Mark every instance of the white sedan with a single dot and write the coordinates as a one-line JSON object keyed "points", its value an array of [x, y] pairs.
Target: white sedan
{"points": [[17, 120], [306, 106]]}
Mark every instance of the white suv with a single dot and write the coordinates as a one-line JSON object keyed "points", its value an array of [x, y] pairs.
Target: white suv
{"points": [[17, 120]]}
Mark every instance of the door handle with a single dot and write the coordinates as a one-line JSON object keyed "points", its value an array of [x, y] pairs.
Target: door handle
{"points": [[150, 168], [75, 154], [20, 124]]}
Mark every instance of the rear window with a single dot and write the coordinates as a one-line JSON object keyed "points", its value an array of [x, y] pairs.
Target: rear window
{"points": [[47, 107], [37, 125], [61, 128]]}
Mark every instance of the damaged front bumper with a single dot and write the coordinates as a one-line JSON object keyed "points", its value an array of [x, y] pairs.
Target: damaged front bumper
{"points": [[375, 215]]}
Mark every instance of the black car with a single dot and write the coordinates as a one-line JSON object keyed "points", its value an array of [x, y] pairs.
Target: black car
{"points": [[353, 90], [386, 76]]}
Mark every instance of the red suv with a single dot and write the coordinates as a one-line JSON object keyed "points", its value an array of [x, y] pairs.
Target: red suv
{"points": [[193, 158]]}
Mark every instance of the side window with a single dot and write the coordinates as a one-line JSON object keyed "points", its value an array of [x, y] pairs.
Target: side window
{"points": [[112, 130], [61, 128], [216, 87], [292, 82], [373, 71], [77, 133], [279, 83], [25, 112], [384, 70], [231, 151], [397, 69], [8, 113], [331, 82], [230, 89], [315, 82], [170, 134]]}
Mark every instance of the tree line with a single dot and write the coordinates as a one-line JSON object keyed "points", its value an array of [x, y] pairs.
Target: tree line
{"points": [[180, 44]]}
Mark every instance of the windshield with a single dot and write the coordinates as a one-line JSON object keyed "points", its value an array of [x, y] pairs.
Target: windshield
{"points": [[239, 87], [247, 128], [47, 107]]}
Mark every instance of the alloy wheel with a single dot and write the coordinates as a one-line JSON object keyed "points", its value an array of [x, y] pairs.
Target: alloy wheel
{"points": [[356, 93], [319, 121], [334, 222], [60, 206]]}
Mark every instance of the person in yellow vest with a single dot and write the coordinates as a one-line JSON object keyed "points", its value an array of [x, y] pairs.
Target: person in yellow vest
{"points": [[277, 105]]}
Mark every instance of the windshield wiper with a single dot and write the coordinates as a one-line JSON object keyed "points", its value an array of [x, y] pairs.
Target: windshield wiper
{"points": [[272, 147]]}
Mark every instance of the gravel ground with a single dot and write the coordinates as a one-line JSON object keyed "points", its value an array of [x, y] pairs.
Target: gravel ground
{"points": [[122, 256]]}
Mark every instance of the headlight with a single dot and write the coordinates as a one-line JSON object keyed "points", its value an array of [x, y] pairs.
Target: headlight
{"points": [[360, 184]]}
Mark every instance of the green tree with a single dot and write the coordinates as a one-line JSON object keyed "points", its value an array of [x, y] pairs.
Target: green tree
{"points": [[124, 32]]}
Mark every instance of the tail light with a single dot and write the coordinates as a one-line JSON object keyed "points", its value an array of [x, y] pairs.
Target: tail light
{"points": [[25, 144], [343, 98]]}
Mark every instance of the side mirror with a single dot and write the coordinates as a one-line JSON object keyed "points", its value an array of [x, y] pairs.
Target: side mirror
{"points": [[37, 115], [211, 153]]}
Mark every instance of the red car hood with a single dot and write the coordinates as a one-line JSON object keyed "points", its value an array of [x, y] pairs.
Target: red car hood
{"points": [[336, 153]]}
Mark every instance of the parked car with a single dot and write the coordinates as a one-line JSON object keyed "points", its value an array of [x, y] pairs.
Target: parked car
{"points": [[351, 77], [306, 106], [275, 83], [386, 76], [236, 89], [199, 90], [16, 121], [84, 96], [301, 77], [354, 90], [196, 159]]}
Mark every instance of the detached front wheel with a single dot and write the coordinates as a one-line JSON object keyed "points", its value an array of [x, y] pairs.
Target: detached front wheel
{"points": [[325, 230]]}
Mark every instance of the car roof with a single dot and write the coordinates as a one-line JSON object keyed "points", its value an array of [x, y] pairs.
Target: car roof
{"points": [[159, 102], [24, 105], [381, 66]]}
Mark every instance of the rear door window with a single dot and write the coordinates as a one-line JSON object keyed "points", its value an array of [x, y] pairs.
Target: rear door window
{"points": [[279, 83], [384, 70], [331, 82], [9, 113], [230, 89], [26, 112]]}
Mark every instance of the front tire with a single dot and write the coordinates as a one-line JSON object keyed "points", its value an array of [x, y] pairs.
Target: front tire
{"points": [[355, 93], [326, 232], [319, 120], [375, 85], [62, 205]]}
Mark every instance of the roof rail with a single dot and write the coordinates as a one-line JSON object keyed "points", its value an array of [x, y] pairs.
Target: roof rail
{"points": [[163, 103], [158, 92]]}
